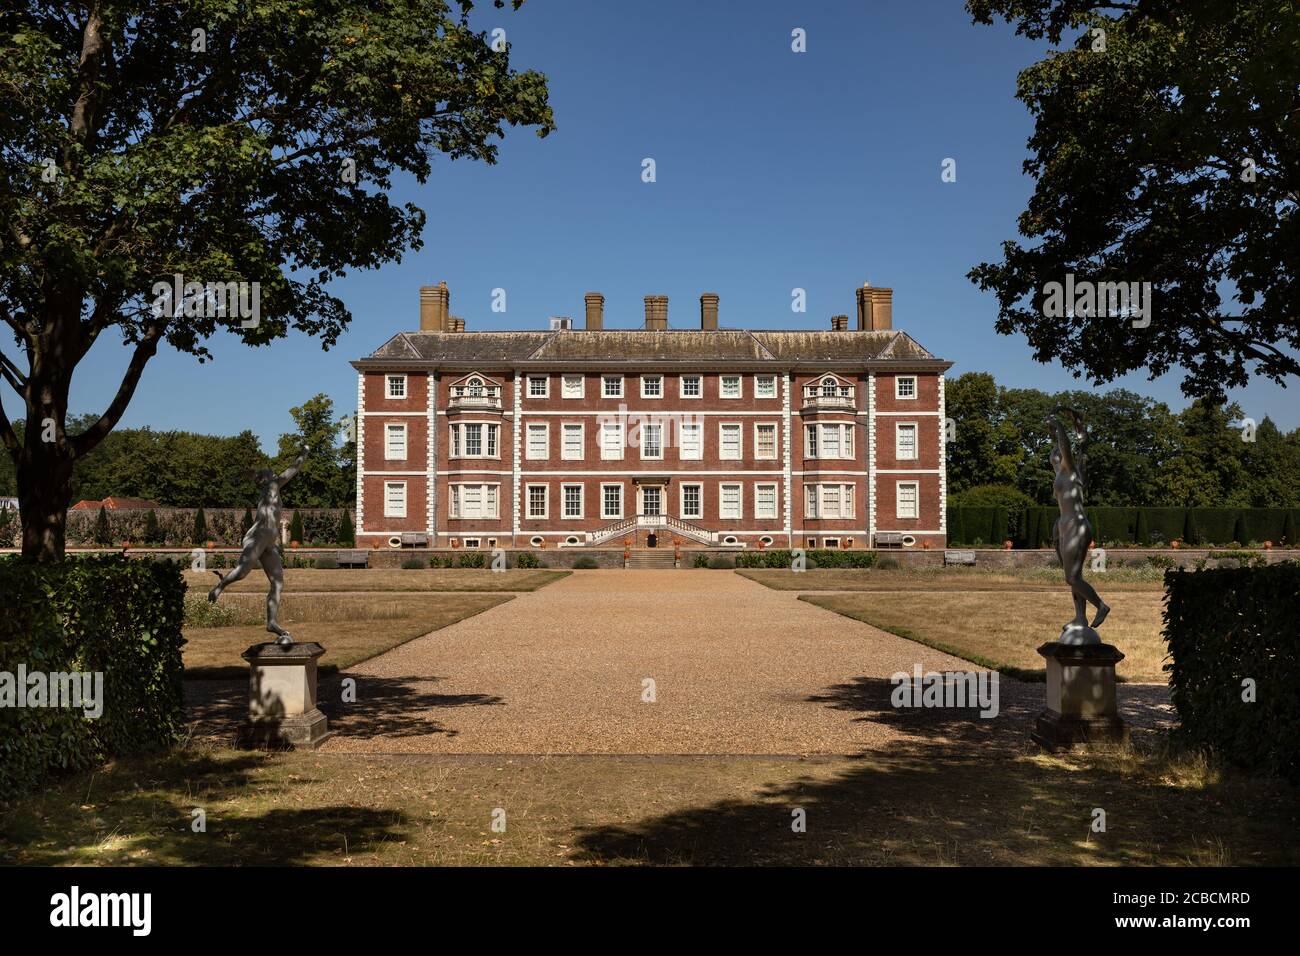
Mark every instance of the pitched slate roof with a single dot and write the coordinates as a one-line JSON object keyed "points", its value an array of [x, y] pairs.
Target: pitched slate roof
{"points": [[630, 346]]}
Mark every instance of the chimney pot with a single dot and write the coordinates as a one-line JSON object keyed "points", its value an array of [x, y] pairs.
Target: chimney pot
{"points": [[595, 311], [709, 311]]}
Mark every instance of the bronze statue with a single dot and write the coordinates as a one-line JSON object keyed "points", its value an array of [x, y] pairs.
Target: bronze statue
{"points": [[259, 546], [1072, 534]]}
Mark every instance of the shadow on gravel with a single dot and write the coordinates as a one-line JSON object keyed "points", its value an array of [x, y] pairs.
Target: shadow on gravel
{"points": [[384, 706]]}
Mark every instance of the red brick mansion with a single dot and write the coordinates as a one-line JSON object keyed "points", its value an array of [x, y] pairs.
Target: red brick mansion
{"points": [[587, 437]]}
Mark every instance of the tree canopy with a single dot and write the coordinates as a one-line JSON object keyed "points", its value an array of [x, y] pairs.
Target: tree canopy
{"points": [[1166, 149], [1141, 452], [241, 146]]}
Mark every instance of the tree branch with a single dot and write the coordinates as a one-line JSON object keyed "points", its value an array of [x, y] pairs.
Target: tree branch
{"points": [[13, 375], [84, 443]]}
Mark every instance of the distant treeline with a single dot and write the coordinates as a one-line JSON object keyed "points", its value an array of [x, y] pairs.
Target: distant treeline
{"points": [[188, 470], [1141, 453]]}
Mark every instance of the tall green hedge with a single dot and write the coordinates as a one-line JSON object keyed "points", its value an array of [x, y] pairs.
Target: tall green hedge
{"points": [[1225, 626], [1032, 526], [104, 614]]}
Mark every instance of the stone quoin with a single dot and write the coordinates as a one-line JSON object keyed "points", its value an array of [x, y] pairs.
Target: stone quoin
{"points": [[592, 437]]}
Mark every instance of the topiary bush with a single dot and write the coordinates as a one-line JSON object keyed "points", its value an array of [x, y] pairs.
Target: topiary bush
{"points": [[526, 560], [472, 559], [586, 563], [1224, 626], [413, 564], [102, 613], [103, 530]]}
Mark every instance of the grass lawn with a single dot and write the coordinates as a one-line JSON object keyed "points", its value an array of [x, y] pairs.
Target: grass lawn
{"points": [[947, 579], [994, 630], [915, 805], [383, 579], [352, 628]]}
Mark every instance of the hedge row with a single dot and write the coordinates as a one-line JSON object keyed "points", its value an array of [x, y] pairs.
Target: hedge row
{"points": [[1226, 628], [1032, 527], [105, 614], [177, 527]]}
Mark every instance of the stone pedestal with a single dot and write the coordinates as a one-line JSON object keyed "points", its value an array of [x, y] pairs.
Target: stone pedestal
{"points": [[1081, 704], [282, 709]]}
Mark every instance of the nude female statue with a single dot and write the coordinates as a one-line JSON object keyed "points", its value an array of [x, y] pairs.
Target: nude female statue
{"points": [[1073, 534], [260, 545]]}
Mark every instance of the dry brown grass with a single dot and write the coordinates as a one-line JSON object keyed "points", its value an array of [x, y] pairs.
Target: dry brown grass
{"points": [[994, 630], [942, 579], [351, 629], [383, 579], [912, 806]]}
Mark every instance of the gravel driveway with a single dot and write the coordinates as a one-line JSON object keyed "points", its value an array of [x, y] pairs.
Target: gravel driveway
{"points": [[737, 669]]}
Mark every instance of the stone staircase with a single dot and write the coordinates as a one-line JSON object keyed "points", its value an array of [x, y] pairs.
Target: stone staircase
{"points": [[651, 558]]}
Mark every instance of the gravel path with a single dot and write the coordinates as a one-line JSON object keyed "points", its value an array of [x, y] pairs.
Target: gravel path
{"points": [[738, 669]]}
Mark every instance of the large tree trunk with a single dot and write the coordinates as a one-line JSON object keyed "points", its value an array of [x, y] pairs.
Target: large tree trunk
{"points": [[44, 463], [44, 490]]}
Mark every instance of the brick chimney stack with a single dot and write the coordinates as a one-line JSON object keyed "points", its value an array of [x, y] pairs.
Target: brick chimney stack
{"points": [[656, 313], [435, 301], [595, 311], [875, 308], [839, 323], [708, 311]]}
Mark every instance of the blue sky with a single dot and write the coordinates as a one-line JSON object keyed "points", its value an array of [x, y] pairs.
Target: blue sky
{"points": [[775, 171]]}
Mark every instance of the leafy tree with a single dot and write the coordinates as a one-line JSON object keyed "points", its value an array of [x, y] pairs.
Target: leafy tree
{"points": [[223, 143], [1166, 150], [103, 533], [328, 477], [200, 533]]}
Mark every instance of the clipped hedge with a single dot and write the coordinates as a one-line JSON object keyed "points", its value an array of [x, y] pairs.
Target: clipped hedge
{"points": [[1032, 526], [101, 613], [1226, 625]]}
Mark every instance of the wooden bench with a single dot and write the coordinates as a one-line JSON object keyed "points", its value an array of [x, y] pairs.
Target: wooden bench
{"points": [[959, 557], [352, 559], [414, 539], [889, 539]]}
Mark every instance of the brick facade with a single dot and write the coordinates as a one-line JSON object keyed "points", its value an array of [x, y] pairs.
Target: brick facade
{"points": [[594, 437]]}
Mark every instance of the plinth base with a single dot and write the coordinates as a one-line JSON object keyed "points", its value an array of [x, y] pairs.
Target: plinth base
{"points": [[1081, 704], [282, 709], [303, 731]]}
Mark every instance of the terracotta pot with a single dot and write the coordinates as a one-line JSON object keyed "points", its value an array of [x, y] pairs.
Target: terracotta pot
{"points": [[1175, 543], [455, 542], [1008, 544], [209, 545], [1268, 545], [294, 544]]}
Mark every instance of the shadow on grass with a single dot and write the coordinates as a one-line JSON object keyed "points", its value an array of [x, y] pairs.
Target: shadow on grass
{"points": [[961, 789], [385, 706], [140, 813]]}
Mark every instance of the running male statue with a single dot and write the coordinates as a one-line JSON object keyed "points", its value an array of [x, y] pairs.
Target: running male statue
{"points": [[1072, 534], [260, 545]]}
